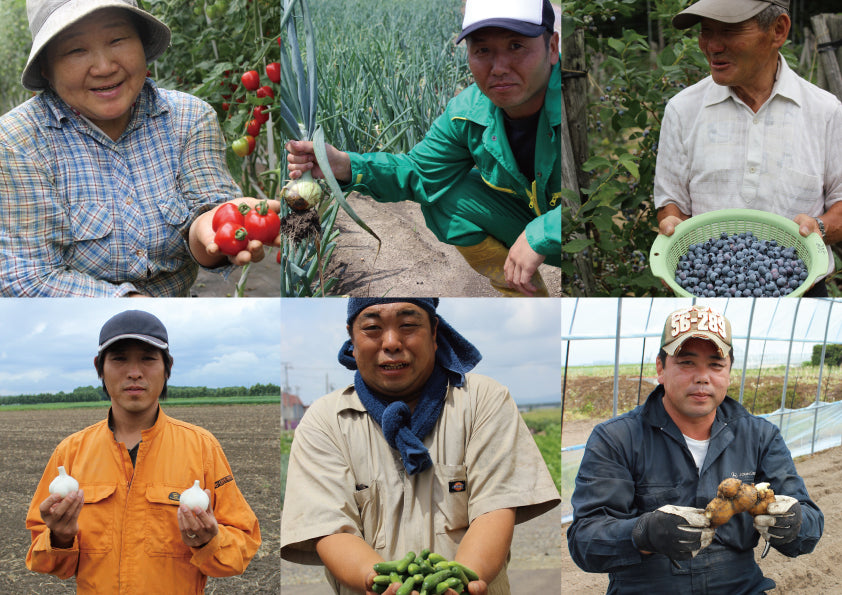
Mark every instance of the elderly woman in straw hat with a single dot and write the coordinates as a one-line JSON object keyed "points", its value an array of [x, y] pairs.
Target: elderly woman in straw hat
{"points": [[108, 183]]}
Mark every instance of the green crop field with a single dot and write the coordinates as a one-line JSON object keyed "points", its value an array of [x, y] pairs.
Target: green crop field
{"points": [[172, 402]]}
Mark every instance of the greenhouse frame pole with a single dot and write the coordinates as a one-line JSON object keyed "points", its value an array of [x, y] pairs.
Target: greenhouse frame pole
{"points": [[819, 384], [788, 362], [745, 355], [617, 355]]}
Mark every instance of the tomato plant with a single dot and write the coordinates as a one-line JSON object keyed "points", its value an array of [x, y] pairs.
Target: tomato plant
{"points": [[265, 91], [273, 72], [251, 80], [253, 127]]}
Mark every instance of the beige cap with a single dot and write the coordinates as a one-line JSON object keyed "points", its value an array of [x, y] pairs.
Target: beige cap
{"points": [[701, 322], [725, 11], [48, 18]]}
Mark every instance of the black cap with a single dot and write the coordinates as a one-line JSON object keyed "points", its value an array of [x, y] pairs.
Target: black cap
{"points": [[134, 324]]}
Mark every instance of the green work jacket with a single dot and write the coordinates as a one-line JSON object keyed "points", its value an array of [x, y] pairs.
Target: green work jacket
{"points": [[471, 133]]}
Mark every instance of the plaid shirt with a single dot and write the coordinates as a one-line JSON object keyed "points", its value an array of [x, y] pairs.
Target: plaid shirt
{"points": [[84, 215]]}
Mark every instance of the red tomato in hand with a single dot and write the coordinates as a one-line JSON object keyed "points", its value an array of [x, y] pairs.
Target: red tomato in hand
{"points": [[266, 91], [273, 71], [251, 80], [253, 127], [227, 213], [262, 223], [231, 238]]}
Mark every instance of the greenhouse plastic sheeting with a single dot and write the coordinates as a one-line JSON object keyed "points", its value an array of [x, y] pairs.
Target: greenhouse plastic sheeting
{"points": [[798, 428]]}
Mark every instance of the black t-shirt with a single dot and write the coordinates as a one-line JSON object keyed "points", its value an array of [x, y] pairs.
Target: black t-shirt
{"points": [[522, 134]]}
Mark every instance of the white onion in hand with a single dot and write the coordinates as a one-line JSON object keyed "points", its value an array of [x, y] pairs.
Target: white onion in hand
{"points": [[195, 496], [63, 484]]}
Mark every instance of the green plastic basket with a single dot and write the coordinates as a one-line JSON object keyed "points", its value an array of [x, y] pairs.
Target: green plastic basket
{"points": [[666, 250]]}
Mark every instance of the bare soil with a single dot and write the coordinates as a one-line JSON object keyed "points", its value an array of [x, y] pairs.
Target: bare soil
{"points": [[818, 572], [264, 280], [411, 260], [249, 435]]}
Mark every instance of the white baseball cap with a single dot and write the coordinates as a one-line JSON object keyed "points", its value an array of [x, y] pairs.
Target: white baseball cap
{"points": [[48, 18], [527, 17]]}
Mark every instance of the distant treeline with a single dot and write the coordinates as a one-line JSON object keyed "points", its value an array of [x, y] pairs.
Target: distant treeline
{"points": [[95, 393]]}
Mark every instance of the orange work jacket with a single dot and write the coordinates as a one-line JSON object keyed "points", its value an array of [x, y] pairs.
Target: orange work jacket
{"points": [[128, 541]]}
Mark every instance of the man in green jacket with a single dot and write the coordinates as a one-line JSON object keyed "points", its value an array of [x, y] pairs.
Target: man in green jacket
{"points": [[488, 173]]}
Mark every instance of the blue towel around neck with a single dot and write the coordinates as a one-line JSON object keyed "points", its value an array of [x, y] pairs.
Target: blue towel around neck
{"points": [[405, 431]]}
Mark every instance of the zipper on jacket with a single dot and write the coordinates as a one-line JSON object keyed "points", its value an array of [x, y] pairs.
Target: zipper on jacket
{"points": [[533, 194]]}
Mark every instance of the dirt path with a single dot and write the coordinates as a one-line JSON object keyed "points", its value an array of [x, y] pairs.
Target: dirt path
{"points": [[411, 262]]}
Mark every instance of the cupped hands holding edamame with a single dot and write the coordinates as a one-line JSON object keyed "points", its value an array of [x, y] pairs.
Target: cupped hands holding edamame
{"points": [[425, 574]]}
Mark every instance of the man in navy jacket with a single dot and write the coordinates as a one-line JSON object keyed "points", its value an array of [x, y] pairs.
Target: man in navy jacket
{"points": [[646, 476]]}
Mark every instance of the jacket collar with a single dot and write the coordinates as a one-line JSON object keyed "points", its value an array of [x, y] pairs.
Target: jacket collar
{"points": [[148, 434]]}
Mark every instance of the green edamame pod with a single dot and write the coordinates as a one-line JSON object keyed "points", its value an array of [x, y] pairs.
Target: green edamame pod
{"points": [[472, 576], [451, 583], [404, 563], [407, 587]]}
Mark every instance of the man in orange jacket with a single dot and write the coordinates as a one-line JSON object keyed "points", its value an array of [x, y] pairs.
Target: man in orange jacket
{"points": [[123, 531]]}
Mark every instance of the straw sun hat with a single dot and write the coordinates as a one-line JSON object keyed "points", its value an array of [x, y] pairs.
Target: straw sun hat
{"points": [[48, 18]]}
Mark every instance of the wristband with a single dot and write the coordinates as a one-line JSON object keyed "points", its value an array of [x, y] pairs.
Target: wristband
{"points": [[821, 227]]}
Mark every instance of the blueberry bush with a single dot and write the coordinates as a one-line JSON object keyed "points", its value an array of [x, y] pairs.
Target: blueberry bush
{"points": [[636, 61]]}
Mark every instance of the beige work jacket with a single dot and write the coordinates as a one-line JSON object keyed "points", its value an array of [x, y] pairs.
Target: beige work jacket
{"points": [[344, 478]]}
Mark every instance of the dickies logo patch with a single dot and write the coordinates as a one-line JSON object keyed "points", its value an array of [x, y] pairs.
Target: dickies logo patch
{"points": [[456, 486], [221, 482], [174, 496]]}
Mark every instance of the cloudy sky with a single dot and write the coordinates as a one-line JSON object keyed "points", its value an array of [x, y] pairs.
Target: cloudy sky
{"points": [[519, 341], [48, 345], [764, 327]]}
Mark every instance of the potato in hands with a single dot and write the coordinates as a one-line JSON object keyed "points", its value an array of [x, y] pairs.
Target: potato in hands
{"points": [[734, 497]]}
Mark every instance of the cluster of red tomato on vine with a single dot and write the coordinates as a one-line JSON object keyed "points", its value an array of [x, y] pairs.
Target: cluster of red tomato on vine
{"points": [[244, 145]]}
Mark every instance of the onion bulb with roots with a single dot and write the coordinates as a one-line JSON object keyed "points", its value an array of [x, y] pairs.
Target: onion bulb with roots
{"points": [[195, 496], [63, 484], [303, 193]]}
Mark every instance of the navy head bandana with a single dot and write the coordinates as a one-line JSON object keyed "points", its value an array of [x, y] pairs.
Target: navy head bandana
{"points": [[405, 430]]}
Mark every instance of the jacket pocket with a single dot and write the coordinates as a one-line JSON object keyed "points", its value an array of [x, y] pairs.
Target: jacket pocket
{"points": [[652, 496], [161, 535], [369, 505], [450, 500], [96, 519]]}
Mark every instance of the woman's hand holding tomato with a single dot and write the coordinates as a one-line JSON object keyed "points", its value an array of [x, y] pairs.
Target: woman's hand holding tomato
{"points": [[202, 236]]}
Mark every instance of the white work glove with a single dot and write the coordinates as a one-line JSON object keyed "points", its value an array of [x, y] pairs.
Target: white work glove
{"points": [[781, 522], [679, 532]]}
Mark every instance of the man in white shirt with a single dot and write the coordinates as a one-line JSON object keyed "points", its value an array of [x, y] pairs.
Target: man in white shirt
{"points": [[753, 134]]}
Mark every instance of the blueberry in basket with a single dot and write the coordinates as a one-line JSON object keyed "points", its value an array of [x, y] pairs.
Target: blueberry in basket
{"points": [[740, 265]]}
